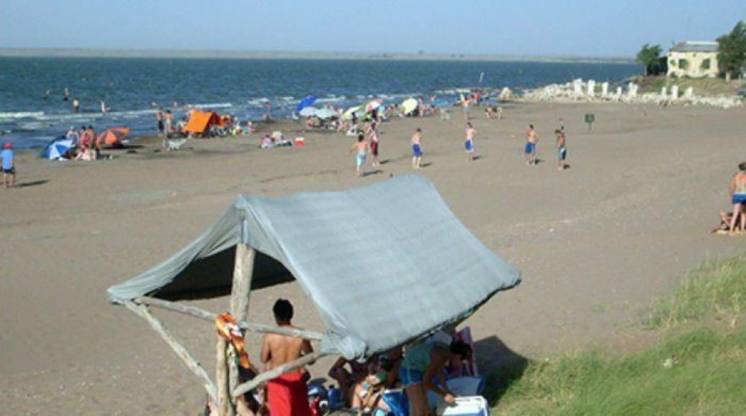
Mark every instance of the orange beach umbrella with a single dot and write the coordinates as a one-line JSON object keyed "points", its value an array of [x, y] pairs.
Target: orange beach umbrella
{"points": [[113, 136]]}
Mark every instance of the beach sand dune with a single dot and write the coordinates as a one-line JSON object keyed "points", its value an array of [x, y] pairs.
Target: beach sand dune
{"points": [[596, 243]]}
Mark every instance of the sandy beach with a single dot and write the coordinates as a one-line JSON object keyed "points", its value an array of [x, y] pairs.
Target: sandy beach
{"points": [[595, 243]]}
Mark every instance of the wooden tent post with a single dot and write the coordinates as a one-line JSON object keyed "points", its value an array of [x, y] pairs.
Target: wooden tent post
{"points": [[242, 276], [221, 379]]}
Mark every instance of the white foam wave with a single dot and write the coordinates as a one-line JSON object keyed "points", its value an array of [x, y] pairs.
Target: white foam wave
{"points": [[21, 114], [211, 105]]}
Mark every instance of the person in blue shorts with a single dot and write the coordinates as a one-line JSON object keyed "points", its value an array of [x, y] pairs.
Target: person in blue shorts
{"points": [[9, 166], [561, 149], [737, 192], [417, 148], [422, 370], [531, 141], [471, 133]]}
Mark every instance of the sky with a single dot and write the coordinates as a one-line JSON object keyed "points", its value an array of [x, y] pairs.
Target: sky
{"points": [[601, 28]]}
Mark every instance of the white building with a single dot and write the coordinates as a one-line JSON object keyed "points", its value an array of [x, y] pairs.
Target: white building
{"points": [[693, 59]]}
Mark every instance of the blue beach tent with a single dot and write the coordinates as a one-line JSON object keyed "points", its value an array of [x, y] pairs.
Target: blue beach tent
{"points": [[56, 148]]}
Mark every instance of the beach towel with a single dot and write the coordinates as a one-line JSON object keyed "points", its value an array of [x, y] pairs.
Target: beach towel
{"points": [[287, 395]]}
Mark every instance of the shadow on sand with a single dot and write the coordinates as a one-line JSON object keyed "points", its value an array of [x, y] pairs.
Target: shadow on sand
{"points": [[500, 365], [32, 183]]}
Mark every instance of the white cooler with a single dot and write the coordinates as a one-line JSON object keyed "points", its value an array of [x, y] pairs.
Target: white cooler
{"points": [[467, 406]]}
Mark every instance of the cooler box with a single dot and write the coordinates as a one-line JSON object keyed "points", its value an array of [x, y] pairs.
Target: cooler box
{"points": [[467, 406]]}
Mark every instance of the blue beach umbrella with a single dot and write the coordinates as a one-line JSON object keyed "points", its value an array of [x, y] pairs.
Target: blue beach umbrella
{"points": [[306, 102], [56, 148]]}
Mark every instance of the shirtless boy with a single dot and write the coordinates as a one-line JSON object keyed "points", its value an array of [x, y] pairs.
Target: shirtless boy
{"points": [[531, 140], [738, 197], [561, 149], [287, 395], [361, 153], [417, 148], [471, 133]]}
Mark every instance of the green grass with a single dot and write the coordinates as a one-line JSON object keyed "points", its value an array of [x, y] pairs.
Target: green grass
{"points": [[716, 289], [701, 370]]}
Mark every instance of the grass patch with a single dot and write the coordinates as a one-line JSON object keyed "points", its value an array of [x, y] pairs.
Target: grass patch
{"points": [[715, 289], [701, 86], [698, 372]]}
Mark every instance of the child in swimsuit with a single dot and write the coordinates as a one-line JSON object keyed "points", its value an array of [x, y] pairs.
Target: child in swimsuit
{"points": [[561, 149], [530, 150], [417, 148], [361, 148], [469, 142]]}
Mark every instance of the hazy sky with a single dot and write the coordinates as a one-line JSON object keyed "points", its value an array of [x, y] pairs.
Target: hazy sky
{"points": [[572, 27]]}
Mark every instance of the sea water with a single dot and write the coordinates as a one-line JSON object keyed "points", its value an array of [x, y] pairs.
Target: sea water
{"points": [[133, 89]]}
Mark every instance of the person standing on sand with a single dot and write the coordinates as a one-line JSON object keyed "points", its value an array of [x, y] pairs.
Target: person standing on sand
{"points": [[471, 133], [361, 152], [417, 148], [465, 103], [9, 165], [561, 149], [169, 123], [738, 198], [531, 140], [374, 142], [287, 395]]}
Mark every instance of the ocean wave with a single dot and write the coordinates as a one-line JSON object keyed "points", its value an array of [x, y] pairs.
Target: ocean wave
{"points": [[20, 114], [211, 105]]}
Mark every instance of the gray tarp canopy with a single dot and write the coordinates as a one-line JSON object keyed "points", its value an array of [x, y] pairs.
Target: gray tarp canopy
{"points": [[383, 264]]}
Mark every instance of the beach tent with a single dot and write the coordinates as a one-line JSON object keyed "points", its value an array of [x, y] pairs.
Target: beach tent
{"points": [[200, 121], [113, 136], [325, 113], [56, 148], [305, 102], [384, 265]]}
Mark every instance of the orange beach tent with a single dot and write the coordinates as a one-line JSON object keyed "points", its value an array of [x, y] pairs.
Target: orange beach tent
{"points": [[113, 136], [200, 121]]}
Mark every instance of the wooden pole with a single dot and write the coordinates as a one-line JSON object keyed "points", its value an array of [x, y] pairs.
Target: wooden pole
{"points": [[191, 363], [275, 372], [209, 316], [221, 379], [242, 274]]}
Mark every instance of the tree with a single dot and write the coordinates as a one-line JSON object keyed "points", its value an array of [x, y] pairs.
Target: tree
{"points": [[732, 50], [649, 57]]}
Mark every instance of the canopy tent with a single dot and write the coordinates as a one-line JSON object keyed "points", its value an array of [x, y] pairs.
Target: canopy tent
{"points": [[113, 136], [383, 264], [56, 148], [200, 121]]}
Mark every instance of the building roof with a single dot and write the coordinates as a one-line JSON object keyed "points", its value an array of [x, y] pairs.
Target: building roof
{"points": [[695, 46], [383, 264]]}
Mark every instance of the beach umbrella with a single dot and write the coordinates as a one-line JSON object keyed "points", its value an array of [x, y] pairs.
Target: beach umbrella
{"points": [[326, 113], [57, 148], [409, 105], [350, 111], [373, 104], [305, 102], [308, 111], [113, 136]]}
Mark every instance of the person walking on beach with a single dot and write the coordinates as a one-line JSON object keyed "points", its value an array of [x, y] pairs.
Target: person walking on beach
{"points": [[561, 149], [531, 140], [374, 142], [287, 395], [471, 133], [76, 105], [168, 123], [417, 148], [465, 103], [361, 152], [9, 165], [738, 198]]}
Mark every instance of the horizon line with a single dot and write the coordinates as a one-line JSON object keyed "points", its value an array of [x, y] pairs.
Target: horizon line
{"points": [[14, 52]]}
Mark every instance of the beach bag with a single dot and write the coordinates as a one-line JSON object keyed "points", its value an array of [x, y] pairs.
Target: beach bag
{"points": [[397, 401]]}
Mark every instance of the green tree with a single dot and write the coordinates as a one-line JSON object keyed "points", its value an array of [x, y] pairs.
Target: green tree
{"points": [[732, 50], [649, 57]]}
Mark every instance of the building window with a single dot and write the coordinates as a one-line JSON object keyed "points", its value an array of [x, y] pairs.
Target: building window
{"points": [[672, 62], [683, 64], [706, 64]]}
